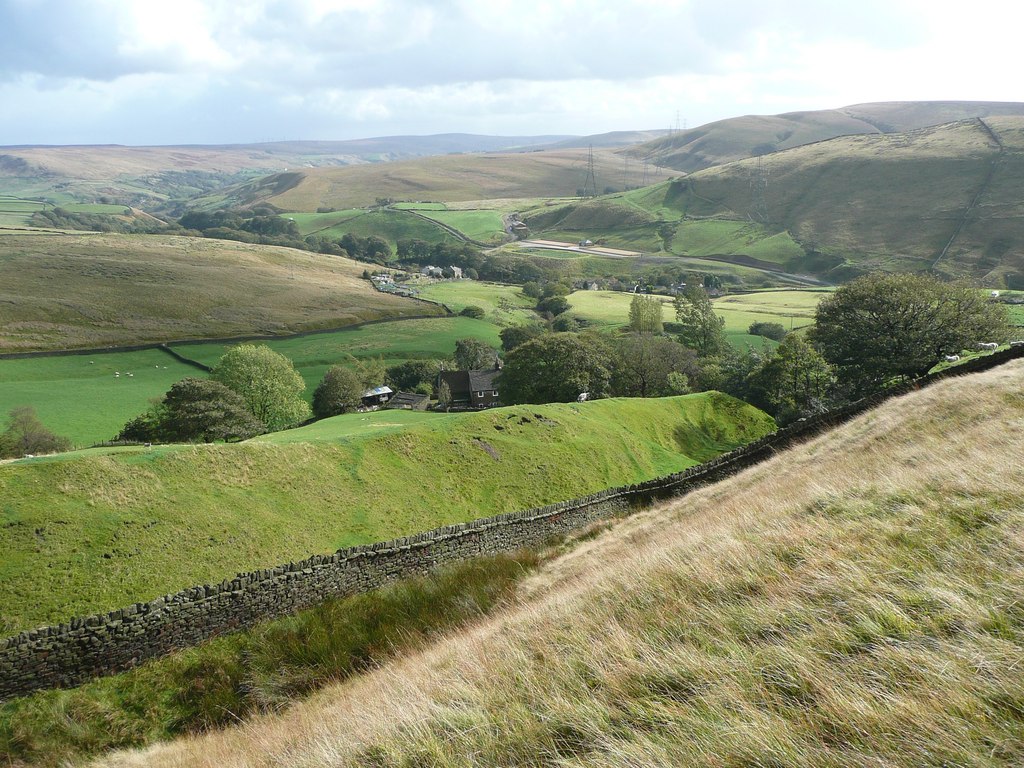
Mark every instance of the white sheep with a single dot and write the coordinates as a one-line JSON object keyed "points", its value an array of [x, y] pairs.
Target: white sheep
{"points": [[987, 345], [951, 358], [584, 396]]}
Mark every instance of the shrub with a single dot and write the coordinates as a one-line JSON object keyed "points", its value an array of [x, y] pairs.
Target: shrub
{"points": [[26, 434]]}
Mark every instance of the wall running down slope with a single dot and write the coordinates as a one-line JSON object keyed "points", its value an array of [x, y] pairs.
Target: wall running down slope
{"points": [[70, 654]]}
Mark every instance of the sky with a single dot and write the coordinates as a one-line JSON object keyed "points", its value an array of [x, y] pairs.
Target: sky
{"points": [[150, 72]]}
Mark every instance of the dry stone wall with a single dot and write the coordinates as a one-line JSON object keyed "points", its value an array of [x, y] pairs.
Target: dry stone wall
{"points": [[69, 654]]}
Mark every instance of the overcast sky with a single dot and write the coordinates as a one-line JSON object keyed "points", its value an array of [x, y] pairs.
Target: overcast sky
{"points": [[206, 71]]}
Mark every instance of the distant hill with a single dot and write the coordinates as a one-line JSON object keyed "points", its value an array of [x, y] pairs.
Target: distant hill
{"points": [[146, 176], [736, 138], [442, 178], [948, 198]]}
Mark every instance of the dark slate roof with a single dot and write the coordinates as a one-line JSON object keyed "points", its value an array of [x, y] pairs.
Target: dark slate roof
{"points": [[457, 381], [483, 380], [407, 400]]}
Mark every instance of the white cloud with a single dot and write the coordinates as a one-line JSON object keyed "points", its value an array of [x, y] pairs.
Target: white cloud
{"points": [[186, 70]]}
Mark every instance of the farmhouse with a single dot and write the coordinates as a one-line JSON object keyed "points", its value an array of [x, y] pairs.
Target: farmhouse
{"points": [[472, 389], [408, 401]]}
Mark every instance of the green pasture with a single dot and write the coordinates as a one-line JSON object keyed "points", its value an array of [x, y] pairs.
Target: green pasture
{"points": [[714, 237], [79, 397], [308, 223], [390, 225], [98, 532], [101, 208], [17, 211], [504, 304], [393, 342], [793, 309], [476, 225], [420, 207]]}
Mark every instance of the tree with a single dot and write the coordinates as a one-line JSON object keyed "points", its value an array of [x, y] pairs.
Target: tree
{"points": [[556, 305], [444, 395], [774, 331], [554, 368], [26, 434], [701, 327], [474, 355], [339, 391], [515, 335], [267, 381], [413, 376], [796, 380], [201, 409], [645, 314], [883, 328], [473, 311], [642, 365]]}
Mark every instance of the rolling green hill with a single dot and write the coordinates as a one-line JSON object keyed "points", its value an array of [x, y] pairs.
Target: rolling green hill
{"points": [[949, 198], [736, 138], [91, 532], [854, 601], [82, 290]]}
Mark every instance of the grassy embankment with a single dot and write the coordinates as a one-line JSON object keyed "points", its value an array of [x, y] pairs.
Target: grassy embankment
{"points": [[94, 532], [853, 601]]}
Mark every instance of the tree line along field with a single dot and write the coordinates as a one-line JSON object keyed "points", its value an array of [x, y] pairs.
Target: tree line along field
{"points": [[112, 529], [79, 396]]}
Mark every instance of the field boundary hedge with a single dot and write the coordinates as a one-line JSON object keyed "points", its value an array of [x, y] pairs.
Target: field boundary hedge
{"points": [[71, 653]]}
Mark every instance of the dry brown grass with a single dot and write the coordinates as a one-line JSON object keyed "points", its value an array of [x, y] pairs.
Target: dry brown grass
{"points": [[853, 602], [67, 290]]}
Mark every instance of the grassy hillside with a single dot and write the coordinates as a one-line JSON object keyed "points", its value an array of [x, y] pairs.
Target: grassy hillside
{"points": [[887, 201], [554, 173], [736, 138], [62, 290], [854, 601], [89, 533]]}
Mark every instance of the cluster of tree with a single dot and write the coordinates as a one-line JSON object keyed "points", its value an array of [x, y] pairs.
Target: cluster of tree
{"points": [[550, 296], [373, 249], [773, 331], [251, 390], [261, 225], [26, 435], [61, 218]]}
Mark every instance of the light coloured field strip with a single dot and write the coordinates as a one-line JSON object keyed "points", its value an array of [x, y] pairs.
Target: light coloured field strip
{"points": [[593, 250]]}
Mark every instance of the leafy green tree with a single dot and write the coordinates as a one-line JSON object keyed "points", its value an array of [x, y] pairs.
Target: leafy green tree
{"points": [[413, 376], [339, 391], [555, 368], [26, 434], [267, 381], [643, 363], [883, 328], [515, 335], [201, 409], [474, 355], [473, 311], [555, 305], [774, 331], [795, 379], [444, 396], [645, 314], [700, 327]]}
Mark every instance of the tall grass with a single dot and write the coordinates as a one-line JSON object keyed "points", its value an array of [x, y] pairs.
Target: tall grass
{"points": [[852, 602], [226, 680]]}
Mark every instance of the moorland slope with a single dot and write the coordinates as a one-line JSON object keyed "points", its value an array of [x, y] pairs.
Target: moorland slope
{"points": [[549, 173], [853, 601], [62, 290], [725, 141]]}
